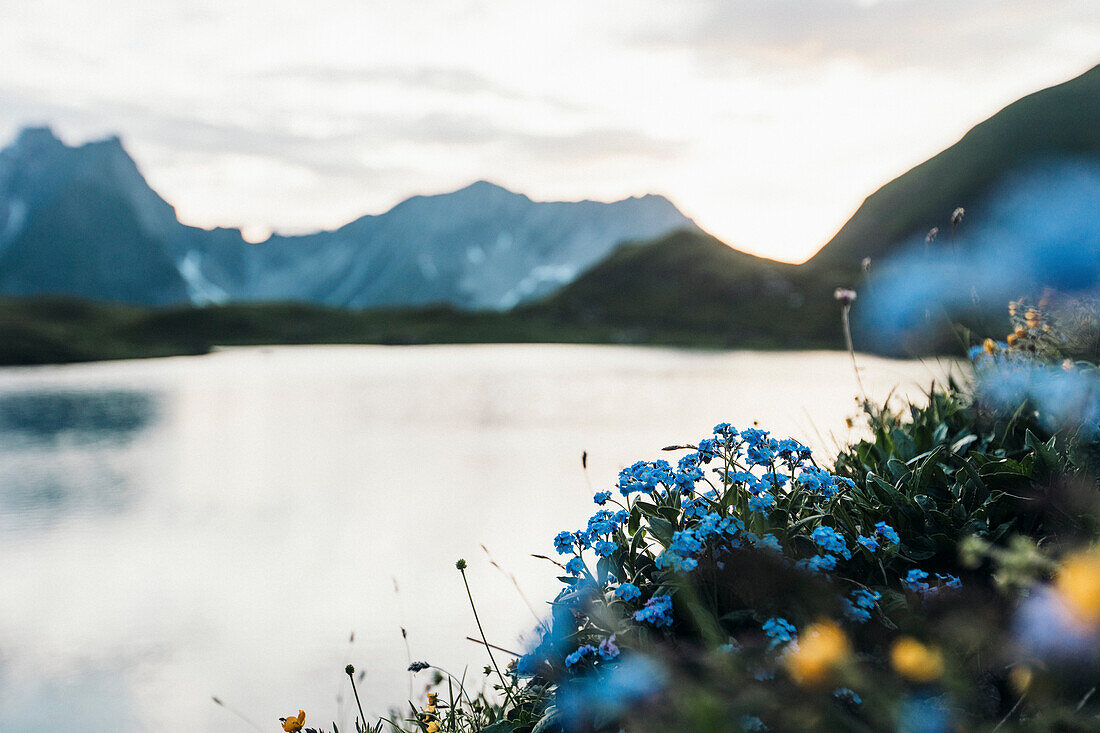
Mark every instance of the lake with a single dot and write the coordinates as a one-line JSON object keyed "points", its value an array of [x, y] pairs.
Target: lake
{"points": [[177, 529]]}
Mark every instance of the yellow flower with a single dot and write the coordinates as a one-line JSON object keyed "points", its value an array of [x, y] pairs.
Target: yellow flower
{"points": [[915, 661], [1021, 332], [432, 696], [295, 722], [433, 727], [1078, 583], [1012, 339], [820, 649], [990, 346], [1012, 307]]}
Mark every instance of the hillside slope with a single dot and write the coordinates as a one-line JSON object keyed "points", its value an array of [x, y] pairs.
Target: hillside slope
{"points": [[1059, 123], [692, 285]]}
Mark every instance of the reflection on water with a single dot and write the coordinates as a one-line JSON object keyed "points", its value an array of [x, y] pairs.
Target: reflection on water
{"points": [[56, 450], [180, 528], [84, 417]]}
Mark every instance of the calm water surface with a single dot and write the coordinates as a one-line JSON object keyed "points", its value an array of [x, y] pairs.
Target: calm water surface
{"points": [[174, 529]]}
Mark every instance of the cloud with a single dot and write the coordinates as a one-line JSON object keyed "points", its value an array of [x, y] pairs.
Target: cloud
{"points": [[882, 33]]}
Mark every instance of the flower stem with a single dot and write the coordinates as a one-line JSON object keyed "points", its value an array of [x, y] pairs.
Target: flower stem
{"points": [[852, 350], [473, 607], [351, 676]]}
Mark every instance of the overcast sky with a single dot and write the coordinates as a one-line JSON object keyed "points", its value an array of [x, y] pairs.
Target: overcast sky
{"points": [[768, 121]]}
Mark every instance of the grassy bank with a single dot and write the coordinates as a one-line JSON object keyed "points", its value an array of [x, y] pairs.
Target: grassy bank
{"points": [[63, 330]]}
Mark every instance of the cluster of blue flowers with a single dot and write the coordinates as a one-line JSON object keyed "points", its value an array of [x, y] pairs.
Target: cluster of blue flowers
{"points": [[687, 544], [657, 611], [916, 581], [755, 472], [821, 482], [779, 630], [628, 592], [858, 605], [598, 535], [831, 541], [607, 650]]}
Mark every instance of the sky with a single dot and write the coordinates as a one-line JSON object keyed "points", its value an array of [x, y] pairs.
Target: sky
{"points": [[767, 121]]}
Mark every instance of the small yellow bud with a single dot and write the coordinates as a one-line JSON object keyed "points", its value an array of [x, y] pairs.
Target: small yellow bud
{"points": [[1012, 339], [990, 346], [915, 661]]}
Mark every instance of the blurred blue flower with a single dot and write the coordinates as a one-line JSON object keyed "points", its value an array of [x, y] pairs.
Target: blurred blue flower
{"points": [[608, 649], [846, 695], [752, 724], [818, 563], [767, 542], [924, 714], [1045, 628], [608, 692]]}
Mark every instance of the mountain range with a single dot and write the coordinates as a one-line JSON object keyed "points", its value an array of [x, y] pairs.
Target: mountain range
{"points": [[82, 221]]}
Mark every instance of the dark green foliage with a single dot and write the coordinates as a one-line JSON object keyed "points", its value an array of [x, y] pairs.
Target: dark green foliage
{"points": [[950, 469]]}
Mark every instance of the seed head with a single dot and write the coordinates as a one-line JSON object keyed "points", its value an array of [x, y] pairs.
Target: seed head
{"points": [[844, 295], [957, 216], [461, 564]]}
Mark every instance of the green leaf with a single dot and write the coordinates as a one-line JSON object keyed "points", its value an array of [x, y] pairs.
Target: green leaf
{"points": [[549, 720], [960, 445], [661, 529], [671, 514]]}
